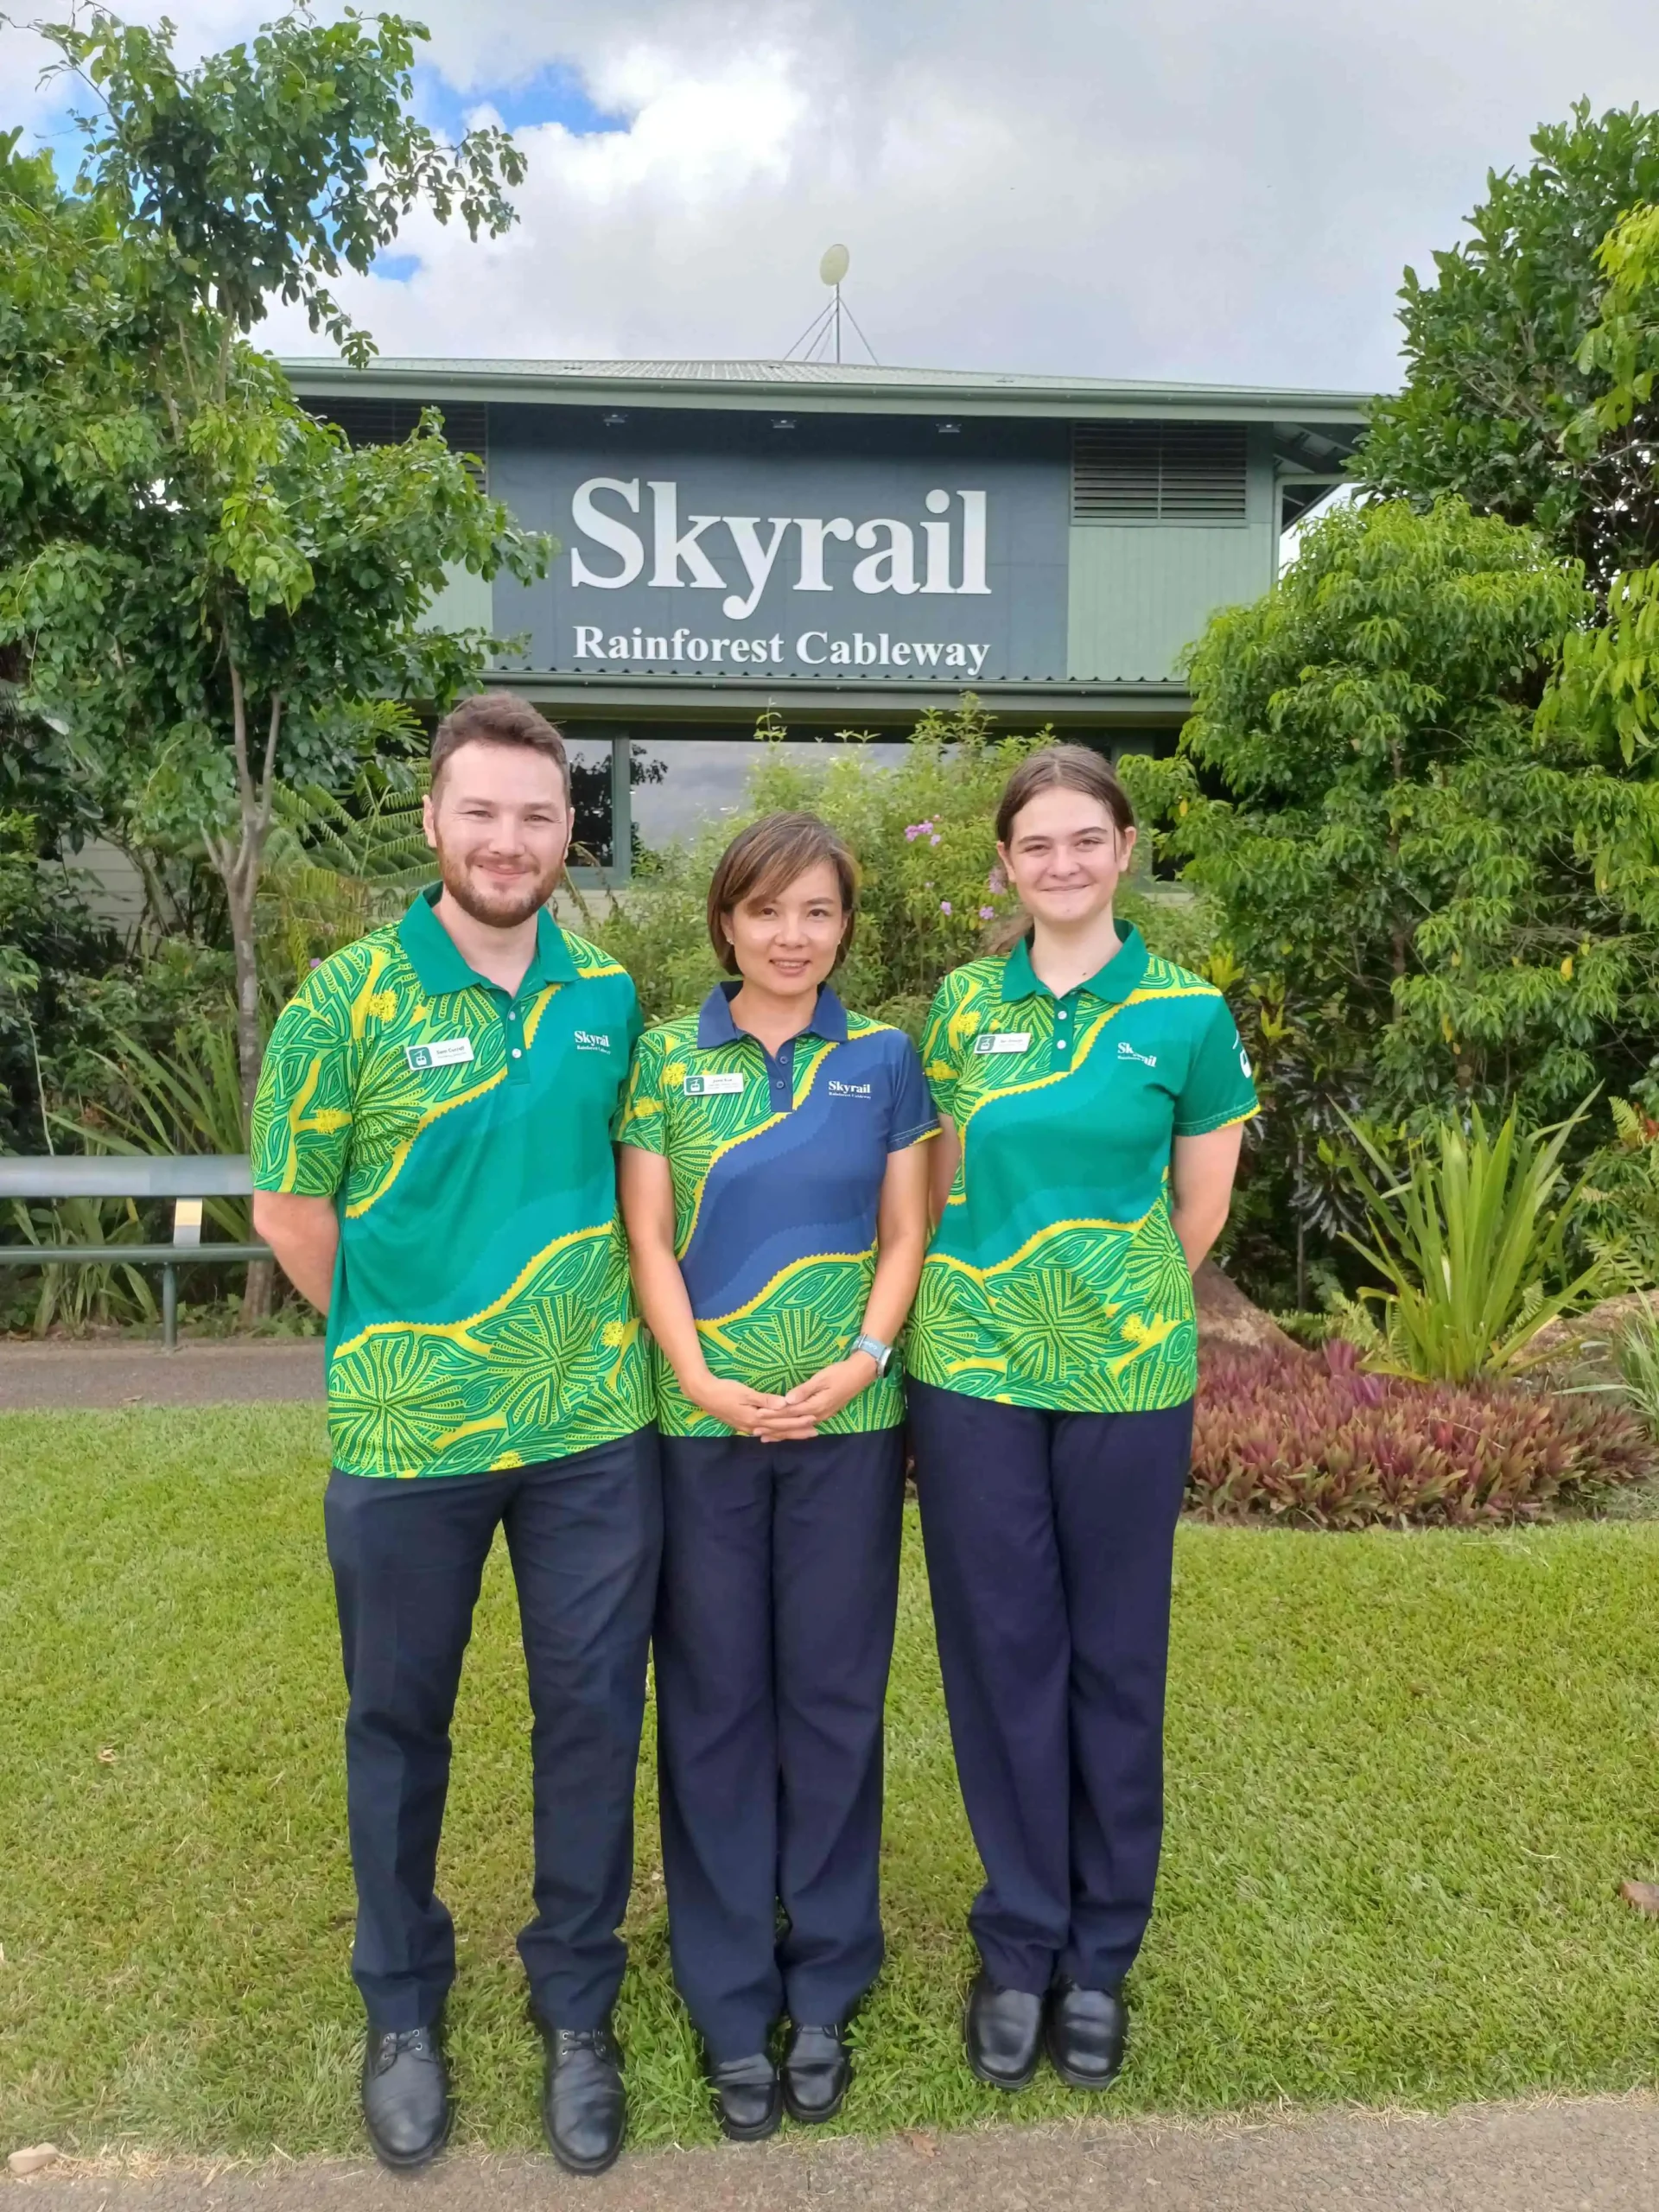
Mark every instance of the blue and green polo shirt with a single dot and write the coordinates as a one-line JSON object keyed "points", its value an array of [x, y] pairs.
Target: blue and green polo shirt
{"points": [[482, 1314], [1055, 1278], [776, 1162]]}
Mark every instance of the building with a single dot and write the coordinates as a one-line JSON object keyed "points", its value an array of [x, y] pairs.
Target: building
{"points": [[846, 546]]}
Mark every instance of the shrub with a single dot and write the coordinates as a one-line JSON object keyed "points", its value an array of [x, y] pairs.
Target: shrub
{"points": [[1320, 1443], [1472, 1239], [932, 894]]}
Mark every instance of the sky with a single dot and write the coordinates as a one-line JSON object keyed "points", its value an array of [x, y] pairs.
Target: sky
{"points": [[1220, 190]]}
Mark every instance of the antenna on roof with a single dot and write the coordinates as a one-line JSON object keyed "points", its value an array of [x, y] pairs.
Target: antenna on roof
{"points": [[823, 333]]}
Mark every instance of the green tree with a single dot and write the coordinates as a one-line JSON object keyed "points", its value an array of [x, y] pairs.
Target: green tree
{"points": [[1609, 687], [1457, 899], [214, 592], [1496, 363]]}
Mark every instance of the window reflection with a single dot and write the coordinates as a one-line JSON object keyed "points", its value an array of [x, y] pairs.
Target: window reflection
{"points": [[592, 842], [681, 785]]}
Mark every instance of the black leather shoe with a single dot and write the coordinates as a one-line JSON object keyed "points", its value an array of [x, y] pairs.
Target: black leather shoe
{"points": [[583, 2108], [1085, 2030], [1004, 2033], [817, 2072], [405, 2095], [748, 2102]]}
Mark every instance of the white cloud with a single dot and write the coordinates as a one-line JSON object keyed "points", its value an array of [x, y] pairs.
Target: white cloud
{"points": [[1198, 190]]}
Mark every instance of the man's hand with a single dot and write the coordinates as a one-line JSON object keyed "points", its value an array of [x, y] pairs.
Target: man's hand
{"points": [[821, 1396], [304, 1234]]}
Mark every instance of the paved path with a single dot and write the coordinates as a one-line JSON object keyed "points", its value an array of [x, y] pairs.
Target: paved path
{"points": [[56, 1373], [1593, 2156]]}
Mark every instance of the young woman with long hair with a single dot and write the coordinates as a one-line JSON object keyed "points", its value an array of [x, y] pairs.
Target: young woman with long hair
{"points": [[1091, 1098]]}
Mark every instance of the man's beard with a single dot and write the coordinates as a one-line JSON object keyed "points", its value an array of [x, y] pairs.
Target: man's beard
{"points": [[510, 905]]}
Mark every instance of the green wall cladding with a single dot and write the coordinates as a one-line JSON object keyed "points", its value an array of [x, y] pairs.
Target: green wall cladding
{"points": [[1140, 593], [467, 602]]}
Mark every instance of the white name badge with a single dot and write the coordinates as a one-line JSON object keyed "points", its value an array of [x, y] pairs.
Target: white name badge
{"points": [[1003, 1040], [712, 1086], [447, 1052]]}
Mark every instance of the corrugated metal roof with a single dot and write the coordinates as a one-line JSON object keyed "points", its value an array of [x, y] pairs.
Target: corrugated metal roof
{"points": [[818, 382]]}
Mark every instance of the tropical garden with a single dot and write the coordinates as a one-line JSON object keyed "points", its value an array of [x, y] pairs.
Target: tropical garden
{"points": [[1412, 828]]}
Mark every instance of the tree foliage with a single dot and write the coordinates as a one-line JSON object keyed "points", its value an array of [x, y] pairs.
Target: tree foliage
{"points": [[1497, 366], [215, 592]]}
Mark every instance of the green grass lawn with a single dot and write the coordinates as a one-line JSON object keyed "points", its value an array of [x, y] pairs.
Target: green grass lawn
{"points": [[1407, 1774]]}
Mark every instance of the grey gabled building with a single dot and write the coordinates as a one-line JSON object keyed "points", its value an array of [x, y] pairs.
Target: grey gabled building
{"points": [[846, 546]]}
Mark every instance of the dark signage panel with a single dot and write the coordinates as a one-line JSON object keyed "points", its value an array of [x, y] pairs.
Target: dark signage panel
{"points": [[853, 552]]}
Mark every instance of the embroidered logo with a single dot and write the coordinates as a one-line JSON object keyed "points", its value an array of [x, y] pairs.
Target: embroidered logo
{"points": [[591, 1041], [1127, 1051], [849, 1090]]}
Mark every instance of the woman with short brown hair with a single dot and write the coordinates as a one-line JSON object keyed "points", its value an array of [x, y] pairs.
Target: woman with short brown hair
{"points": [[773, 1182]]}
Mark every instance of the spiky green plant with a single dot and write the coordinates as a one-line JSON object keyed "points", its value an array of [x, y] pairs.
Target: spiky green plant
{"points": [[97, 1290], [1472, 1240]]}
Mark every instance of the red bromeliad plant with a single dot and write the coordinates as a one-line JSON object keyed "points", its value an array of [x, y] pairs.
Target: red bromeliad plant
{"points": [[1319, 1443]]}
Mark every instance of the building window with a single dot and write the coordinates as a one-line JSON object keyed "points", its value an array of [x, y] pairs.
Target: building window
{"points": [[634, 794], [1158, 472]]}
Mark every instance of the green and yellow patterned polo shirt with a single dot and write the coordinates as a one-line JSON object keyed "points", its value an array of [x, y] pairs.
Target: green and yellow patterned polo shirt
{"points": [[482, 1315], [777, 1161], [1055, 1278]]}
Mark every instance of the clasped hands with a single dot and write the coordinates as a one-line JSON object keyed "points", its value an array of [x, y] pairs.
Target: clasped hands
{"points": [[779, 1421]]}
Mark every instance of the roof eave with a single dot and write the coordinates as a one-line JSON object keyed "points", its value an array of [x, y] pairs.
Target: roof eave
{"points": [[534, 385]]}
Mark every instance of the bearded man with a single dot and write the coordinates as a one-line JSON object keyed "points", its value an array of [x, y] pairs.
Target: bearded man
{"points": [[433, 1169]]}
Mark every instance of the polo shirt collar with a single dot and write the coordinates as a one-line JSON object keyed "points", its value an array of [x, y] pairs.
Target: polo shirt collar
{"points": [[1111, 984], [438, 964], [716, 1026]]}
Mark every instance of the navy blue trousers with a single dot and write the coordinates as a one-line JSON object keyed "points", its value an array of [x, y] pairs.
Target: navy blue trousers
{"points": [[774, 1635], [584, 1535], [1049, 1540]]}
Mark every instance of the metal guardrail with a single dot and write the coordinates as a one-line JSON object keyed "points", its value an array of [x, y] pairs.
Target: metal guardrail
{"points": [[187, 1181]]}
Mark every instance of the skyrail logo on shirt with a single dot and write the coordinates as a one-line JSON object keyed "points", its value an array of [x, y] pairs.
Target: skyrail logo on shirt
{"points": [[592, 1040], [1127, 1051], [849, 1090]]}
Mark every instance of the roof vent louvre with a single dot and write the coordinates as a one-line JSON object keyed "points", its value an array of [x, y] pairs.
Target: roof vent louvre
{"points": [[389, 422], [1158, 472]]}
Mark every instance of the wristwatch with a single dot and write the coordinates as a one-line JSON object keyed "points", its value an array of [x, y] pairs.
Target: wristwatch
{"points": [[880, 1353]]}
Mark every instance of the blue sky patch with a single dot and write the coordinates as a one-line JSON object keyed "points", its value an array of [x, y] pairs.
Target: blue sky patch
{"points": [[396, 268], [554, 94]]}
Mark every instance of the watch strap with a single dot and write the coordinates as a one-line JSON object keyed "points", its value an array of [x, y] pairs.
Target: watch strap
{"points": [[880, 1353]]}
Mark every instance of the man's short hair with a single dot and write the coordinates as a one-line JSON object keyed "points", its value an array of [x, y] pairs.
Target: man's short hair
{"points": [[498, 718]]}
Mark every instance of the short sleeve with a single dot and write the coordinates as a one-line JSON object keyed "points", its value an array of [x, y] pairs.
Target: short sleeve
{"points": [[938, 1060], [913, 1118], [1218, 1091], [640, 1120], [301, 1134]]}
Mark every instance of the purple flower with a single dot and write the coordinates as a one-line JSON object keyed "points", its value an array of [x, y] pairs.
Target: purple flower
{"points": [[915, 830], [986, 913], [932, 841], [944, 905], [996, 883], [316, 964]]}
